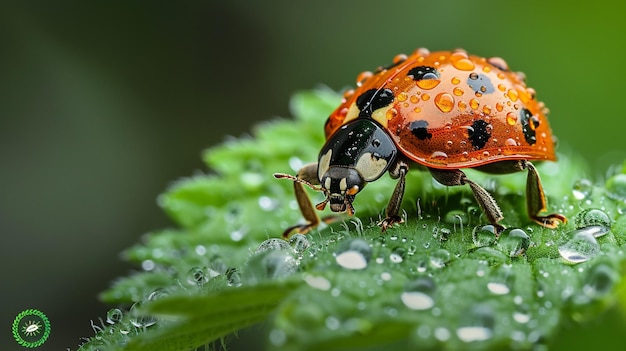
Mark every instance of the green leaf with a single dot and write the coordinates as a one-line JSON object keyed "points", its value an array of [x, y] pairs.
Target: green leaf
{"points": [[440, 281]]}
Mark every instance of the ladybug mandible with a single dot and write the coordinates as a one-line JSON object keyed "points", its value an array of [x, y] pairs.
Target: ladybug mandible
{"points": [[444, 110]]}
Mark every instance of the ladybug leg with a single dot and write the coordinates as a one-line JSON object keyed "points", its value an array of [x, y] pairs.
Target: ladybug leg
{"points": [[454, 177], [536, 200], [308, 174], [399, 171]]}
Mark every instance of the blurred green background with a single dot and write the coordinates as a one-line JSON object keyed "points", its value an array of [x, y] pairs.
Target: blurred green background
{"points": [[103, 104]]}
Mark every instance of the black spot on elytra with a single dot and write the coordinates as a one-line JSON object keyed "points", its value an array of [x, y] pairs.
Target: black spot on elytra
{"points": [[423, 72], [480, 83], [529, 124], [372, 100], [420, 129], [478, 134]]}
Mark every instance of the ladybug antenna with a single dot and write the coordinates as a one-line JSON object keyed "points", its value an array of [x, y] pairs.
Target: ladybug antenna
{"points": [[297, 180]]}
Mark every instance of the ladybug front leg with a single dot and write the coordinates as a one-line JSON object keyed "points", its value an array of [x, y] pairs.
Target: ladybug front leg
{"points": [[454, 177], [306, 175], [399, 171], [536, 200]]}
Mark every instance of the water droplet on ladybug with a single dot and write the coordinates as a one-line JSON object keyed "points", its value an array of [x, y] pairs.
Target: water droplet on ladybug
{"points": [[445, 102], [473, 76], [499, 106], [461, 61], [499, 63], [511, 118], [402, 96], [455, 80], [399, 59], [449, 144], [425, 97], [502, 87], [391, 113], [512, 94], [362, 77], [427, 84], [457, 91], [486, 109], [510, 142], [474, 104], [439, 155]]}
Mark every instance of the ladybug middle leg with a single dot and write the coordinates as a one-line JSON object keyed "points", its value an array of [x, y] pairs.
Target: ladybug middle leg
{"points": [[454, 177], [397, 171]]}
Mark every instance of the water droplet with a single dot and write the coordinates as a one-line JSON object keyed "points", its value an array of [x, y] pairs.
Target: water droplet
{"points": [[474, 104], [114, 315], [138, 319], [511, 118], [477, 324], [391, 113], [512, 94], [484, 235], [445, 102], [425, 97], [418, 294], [233, 277], [439, 258], [498, 63], [267, 203], [273, 244], [427, 84], [593, 220], [582, 189], [299, 243], [397, 255], [581, 247], [514, 242], [158, 294], [439, 155], [148, 265], [461, 61], [277, 337], [501, 280], [316, 282], [354, 254], [200, 275], [457, 91], [600, 281], [362, 77], [616, 187], [455, 80], [510, 142], [271, 264]]}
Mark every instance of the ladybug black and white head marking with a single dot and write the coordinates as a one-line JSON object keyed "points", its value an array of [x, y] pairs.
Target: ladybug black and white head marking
{"points": [[359, 152]]}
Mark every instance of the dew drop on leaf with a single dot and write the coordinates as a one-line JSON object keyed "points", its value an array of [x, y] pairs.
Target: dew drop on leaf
{"points": [[514, 242], [114, 315], [616, 187], [418, 294], [484, 235], [580, 247], [299, 243], [582, 189], [477, 324], [354, 254], [593, 220], [138, 319], [397, 255], [439, 258]]}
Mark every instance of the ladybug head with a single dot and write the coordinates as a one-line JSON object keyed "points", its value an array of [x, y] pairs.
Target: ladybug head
{"points": [[341, 184], [357, 153]]}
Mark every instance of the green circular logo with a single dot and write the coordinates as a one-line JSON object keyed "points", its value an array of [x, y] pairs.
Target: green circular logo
{"points": [[31, 328]]}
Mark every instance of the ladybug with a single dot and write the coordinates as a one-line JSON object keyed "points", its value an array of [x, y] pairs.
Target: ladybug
{"points": [[444, 110]]}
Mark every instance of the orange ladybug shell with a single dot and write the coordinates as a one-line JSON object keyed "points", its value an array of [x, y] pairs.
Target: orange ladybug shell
{"points": [[451, 110]]}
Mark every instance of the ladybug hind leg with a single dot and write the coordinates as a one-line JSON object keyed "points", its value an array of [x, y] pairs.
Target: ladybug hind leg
{"points": [[536, 200], [454, 177]]}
